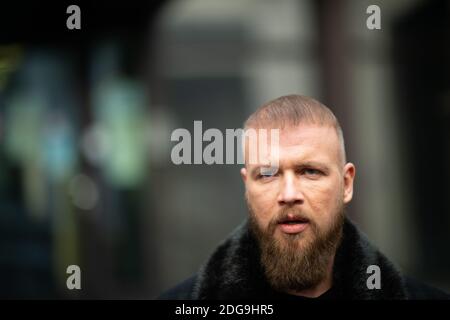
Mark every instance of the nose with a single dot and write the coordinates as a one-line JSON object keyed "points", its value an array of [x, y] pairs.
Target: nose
{"points": [[290, 193]]}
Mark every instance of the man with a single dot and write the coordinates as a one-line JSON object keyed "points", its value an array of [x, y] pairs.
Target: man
{"points": [[297, 242]]}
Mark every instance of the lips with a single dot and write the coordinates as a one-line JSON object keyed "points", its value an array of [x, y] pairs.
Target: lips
{"points": [[293, 225]]}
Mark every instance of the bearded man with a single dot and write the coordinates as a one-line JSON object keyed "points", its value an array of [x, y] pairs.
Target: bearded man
{"points": [[297, 242]]}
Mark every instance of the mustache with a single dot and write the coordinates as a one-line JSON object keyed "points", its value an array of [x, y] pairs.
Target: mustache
{"points": [[291, 214]]}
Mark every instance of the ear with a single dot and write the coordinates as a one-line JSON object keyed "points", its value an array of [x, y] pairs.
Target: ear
{"points": [[244, 174], [349, 176]]}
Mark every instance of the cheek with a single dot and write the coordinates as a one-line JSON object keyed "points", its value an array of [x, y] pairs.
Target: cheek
{"points": [[324, 198], [263, 202]]}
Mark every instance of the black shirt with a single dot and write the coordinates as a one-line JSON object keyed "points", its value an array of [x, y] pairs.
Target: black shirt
{"points": [[330, 294]]}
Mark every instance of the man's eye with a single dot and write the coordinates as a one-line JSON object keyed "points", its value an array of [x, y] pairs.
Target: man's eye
{"points": [[265, 175], [267, 172], [312, 172]]}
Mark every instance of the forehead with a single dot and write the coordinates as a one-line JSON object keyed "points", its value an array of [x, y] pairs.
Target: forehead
{"points": [[306, 143], [308, 135]]}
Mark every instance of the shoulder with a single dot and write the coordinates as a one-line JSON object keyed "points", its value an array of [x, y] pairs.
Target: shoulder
{"points": [[421, 291], [182, 291]]}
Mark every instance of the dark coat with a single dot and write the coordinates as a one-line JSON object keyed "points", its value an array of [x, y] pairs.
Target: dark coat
{"points": [[233, 272]]}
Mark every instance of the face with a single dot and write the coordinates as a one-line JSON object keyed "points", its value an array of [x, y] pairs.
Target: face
{"points": [[297, 212]]}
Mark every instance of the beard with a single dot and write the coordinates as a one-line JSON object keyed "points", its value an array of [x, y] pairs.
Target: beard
{"points": [[295, 262]]}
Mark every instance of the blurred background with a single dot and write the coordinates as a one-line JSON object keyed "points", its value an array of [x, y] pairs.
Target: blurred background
{"points": [[86, 116]]}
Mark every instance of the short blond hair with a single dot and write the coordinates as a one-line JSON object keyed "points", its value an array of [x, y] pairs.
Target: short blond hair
{"points": [[293, 110]]}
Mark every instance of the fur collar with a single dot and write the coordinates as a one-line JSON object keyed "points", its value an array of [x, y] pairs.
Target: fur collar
{"points": [[233, 271]]}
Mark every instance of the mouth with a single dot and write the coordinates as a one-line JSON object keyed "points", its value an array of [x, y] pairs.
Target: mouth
{"points": [[293, 225]]}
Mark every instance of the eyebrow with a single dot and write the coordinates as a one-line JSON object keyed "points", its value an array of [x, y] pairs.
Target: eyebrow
{"points": [[314, 164], [301, 165]]}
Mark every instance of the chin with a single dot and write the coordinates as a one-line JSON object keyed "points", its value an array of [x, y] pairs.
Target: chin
{"points": [[300, 239]]}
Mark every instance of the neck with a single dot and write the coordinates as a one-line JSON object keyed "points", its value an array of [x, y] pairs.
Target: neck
{"points": [[319, 289]]}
